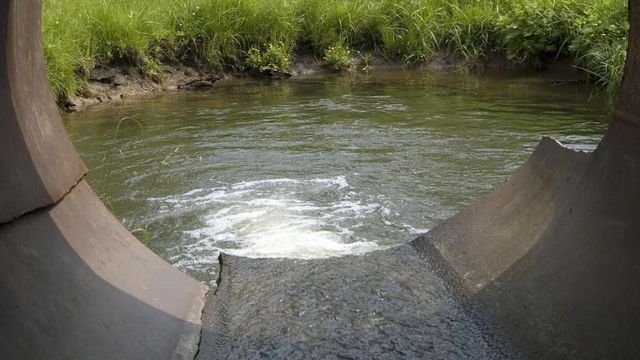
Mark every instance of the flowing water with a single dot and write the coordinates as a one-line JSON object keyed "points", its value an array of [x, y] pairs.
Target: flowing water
{"points": [[318, 167]]}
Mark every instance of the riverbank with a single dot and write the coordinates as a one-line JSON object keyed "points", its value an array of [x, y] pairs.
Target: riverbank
{"points": [[119, 82], [116, 82], [230, 37]]}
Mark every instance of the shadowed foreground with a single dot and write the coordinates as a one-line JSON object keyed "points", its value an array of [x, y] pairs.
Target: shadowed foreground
{"points": [[386, 304]]}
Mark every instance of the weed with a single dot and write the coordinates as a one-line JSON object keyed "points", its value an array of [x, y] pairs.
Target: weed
{"points": [[600, 43], [219, 34], [365, 60], [143, 235], [276, 56], [338, 58]]}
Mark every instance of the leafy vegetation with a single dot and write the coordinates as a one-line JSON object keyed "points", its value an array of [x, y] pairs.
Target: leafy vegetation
{"points": [[338, 58], [222, 34], [593, 32], [276, 56]]}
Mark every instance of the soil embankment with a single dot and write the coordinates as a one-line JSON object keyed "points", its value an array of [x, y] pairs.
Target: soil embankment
{"points": [[118, 82]]}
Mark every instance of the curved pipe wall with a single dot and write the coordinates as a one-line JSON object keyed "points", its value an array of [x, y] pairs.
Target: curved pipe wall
{"points": [[74, 283], [554, 253]]}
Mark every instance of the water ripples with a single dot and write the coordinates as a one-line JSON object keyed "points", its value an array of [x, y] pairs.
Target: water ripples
{"points": [[318, 167], [285, 218]]}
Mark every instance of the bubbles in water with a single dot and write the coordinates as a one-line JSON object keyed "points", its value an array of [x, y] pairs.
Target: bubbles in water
{"points": [[290, 218]]}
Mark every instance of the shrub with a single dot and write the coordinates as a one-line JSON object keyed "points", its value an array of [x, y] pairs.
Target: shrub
{"points": [[275, 56], [338, 57], [534, 30], [600, 43]]}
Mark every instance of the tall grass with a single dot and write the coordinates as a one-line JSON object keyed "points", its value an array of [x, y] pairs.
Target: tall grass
{"points": [[216, 34]]}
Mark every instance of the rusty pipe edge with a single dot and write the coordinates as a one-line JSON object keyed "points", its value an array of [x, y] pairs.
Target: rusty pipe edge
{"points": [[628, 109], [38, 163], [74, 283], [553, 254]]}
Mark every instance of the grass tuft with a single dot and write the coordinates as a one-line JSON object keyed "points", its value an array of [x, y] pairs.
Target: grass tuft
{"points": [[216, 35]]}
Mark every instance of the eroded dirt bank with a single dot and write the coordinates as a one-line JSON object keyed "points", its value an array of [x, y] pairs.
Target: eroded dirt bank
{"points": [[118, 82]]}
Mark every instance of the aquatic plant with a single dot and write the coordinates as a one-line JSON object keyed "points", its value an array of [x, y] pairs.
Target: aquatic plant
{"points": [[219, 34]]}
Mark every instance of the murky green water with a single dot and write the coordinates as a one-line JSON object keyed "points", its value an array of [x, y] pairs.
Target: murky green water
{"points": [[322, 166]]}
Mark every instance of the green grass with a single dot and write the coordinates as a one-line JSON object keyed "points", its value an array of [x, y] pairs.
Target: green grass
{"points": [[217, 34]]}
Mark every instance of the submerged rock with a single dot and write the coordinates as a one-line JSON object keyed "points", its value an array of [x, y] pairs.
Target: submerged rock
{"points": [[267, 71], [203, 82]]}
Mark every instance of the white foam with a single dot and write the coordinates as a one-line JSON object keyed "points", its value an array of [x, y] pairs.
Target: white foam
{"points": [[299, 243], [340, 181], [282, 217], [413, 230], [251, 184]]}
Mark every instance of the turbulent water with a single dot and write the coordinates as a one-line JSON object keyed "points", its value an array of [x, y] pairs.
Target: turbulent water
{"points": [[306, 218], [318, 167]]}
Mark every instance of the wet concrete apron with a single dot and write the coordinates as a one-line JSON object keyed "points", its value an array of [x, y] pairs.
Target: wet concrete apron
{"points": [[388, 304]]}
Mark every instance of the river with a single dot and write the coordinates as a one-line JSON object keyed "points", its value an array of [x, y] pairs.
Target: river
{"points": [[321, 166]]}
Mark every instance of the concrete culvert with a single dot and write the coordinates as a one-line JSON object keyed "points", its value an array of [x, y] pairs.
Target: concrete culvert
{"points": [[547, 266]]}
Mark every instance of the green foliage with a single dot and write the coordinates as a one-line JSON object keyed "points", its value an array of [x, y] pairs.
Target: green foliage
{"points": [[338, 58], [328, 22], [219, 34], [143, 235], [471, 29], [365, 60], [254, 59], [537, 29], [411, 30], [276, 56], [606, 64], [600, 43], [215, 34]]}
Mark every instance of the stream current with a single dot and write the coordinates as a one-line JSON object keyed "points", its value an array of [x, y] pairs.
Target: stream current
{"points": [[322, 166]]}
